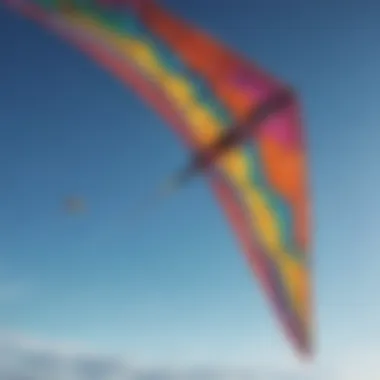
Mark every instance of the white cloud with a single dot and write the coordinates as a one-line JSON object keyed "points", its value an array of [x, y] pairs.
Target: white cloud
{"points": [[31, 359], [23, 358]]}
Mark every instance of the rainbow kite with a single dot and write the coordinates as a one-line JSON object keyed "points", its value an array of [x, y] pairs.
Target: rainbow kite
{"points": [[242, 126]]}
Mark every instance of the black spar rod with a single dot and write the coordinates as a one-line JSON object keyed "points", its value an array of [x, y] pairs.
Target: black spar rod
{"points": [[203, 160], [235, 135]]}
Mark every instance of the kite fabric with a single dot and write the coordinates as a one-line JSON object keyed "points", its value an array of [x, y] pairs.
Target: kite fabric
{"points": [[203, 89]]}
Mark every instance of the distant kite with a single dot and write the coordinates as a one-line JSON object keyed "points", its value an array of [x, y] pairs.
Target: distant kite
{"points": [[242, 126], [74, 205]]}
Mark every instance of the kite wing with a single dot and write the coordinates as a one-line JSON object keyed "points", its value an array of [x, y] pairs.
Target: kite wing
{"points": [[202, 88], [262, 185]]}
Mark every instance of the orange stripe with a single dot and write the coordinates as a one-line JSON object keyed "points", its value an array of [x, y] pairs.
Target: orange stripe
{"points": [[202, 54]]}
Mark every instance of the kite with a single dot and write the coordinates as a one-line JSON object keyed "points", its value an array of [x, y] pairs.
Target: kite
{"points": [[74, 205], [242, 126]]}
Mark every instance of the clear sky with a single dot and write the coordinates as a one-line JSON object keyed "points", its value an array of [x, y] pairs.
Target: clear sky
{"points": [[176, 289]]}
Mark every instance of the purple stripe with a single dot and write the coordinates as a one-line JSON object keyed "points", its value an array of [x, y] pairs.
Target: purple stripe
{"points": [[280, 299]]}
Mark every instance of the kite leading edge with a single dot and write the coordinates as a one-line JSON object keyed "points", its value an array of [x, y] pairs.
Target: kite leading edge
{"points": [[242, 125]]}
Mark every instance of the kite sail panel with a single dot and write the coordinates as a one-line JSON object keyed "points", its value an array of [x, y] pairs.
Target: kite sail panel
{"points": [[203, 89], [262, 185]]}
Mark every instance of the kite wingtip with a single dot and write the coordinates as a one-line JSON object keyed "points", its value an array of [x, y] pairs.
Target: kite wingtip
{"points": [[306, 353]]}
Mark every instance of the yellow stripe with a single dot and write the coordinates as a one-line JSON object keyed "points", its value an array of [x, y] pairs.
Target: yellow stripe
{"points": [[204, 126], [206, 129], [263, 220]]}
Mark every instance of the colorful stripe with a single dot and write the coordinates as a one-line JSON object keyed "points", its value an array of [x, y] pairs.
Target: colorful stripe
{"points": [[202, 88], [287, 265], [270, 276], [273, 200], [201, 110]]}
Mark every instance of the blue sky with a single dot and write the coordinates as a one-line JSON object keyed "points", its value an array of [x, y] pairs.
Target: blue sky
{"points": [[176, 288]]}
